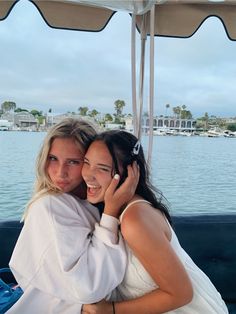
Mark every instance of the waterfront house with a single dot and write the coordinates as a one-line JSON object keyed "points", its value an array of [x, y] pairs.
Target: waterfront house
{"points": [[163, 123], [22, 120]]}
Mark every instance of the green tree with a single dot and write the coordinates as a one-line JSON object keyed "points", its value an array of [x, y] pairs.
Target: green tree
{"points": [[186, 114], [93, 113], [36, 113], [20, 110], [108, 117], [182, 113], [231, 127], [8, 106], [41, 119], [176, 111], [206, 120], [83, 111], [119, 105]]}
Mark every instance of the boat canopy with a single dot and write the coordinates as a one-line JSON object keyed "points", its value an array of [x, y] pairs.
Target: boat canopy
{"points": [[177, 18]]}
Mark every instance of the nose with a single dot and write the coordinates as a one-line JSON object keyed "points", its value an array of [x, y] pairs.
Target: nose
{"points": [[62, 171], [87, 172]]}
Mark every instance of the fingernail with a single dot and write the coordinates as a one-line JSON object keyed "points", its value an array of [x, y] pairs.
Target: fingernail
{"points": [[116, 176]]}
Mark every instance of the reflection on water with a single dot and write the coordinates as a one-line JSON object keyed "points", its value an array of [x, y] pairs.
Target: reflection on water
{"points": [[196, 174], [18, 151]]}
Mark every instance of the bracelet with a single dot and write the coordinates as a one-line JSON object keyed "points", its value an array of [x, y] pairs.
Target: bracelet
{"points": [[113, 307]]}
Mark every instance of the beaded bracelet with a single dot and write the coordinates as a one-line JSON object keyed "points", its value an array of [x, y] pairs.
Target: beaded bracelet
{"points": [[113, 307]]}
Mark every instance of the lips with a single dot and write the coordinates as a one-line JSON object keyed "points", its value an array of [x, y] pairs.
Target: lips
{"points": [[62, 184], [92, 190]]}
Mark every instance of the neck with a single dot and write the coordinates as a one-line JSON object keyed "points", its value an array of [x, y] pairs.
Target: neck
{"points": [[80, 191]]}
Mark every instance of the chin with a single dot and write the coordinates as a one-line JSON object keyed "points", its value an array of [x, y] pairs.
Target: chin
{"points": [[94, 200]]}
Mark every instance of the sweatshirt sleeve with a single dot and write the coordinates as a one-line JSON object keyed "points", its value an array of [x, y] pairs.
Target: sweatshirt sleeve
{"points": [[68, 253]]}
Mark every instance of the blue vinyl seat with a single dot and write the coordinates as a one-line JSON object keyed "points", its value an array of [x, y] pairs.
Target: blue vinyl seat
{"points": [[210, 240]]}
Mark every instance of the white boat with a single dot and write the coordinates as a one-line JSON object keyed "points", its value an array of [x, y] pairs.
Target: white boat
{"points": [[4, 125], [159, 132], [214, 133], [229, 134]]}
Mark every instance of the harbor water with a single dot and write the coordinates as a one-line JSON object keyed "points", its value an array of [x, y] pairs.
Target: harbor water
{"points": [[195, 174]]}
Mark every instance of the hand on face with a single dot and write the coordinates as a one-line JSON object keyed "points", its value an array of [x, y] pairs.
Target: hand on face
{"points": [[115, 198], [101, 186]]}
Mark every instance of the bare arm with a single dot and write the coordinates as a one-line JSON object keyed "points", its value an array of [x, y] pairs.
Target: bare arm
{"points": [[148, 235]]}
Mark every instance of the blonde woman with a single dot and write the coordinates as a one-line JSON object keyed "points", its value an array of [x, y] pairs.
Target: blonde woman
{"points": [[67, 254]]}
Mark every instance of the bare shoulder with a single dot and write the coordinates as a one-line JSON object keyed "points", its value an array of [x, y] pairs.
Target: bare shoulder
{"points": [[142, 219]]}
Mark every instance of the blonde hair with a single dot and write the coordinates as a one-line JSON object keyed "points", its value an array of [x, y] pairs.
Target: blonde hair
{"points": [[81, 131]]}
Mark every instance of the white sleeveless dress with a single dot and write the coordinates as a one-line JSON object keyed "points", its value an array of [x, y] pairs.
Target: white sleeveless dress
{"points": [[137, 282]]}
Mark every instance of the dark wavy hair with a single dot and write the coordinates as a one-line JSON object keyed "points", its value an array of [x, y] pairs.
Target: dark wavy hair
{"points": [[123, 147]]}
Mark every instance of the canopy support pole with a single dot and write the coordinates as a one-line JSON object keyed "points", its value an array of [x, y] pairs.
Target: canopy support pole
{"points": [[133, 68], [138, 107], [141, 73], [151, 85]]}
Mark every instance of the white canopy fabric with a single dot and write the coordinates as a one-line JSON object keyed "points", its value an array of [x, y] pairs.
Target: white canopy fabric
{"points": [[177, 18]]}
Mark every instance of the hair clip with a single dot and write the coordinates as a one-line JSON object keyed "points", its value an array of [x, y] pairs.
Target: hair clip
{"points": [[136, 148]]}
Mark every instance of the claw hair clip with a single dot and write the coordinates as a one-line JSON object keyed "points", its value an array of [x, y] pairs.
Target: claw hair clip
{"points": [[136, 148]]}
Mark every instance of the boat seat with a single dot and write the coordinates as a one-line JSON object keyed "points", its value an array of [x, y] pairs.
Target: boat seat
{"points": [[9, 232], [209, 239]]}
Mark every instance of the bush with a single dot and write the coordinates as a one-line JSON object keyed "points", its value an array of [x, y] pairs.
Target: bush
{"points": [[231, 127]]}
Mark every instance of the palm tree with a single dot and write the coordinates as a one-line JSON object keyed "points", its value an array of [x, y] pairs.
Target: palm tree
{"points": [[93, 113], [167, 107], [8, 106], [119, 105], [206, 120], [182, 112], [177, 111], [83, 111]]}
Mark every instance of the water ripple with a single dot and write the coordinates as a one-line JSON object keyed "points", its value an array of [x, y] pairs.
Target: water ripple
{"points": [[196, 174]]}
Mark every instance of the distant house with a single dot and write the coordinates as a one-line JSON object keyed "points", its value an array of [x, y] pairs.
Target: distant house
{"points": [[114, 126], [8, 116], [25, 119], [22, 119], [52, 120], [163, 123], [129, 123]]}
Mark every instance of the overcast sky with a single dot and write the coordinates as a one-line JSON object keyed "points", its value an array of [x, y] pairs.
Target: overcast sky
{"points": [[44, 68]]}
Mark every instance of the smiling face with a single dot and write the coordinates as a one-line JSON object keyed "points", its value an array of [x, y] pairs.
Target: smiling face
{"points": [[64, 164], [97, 171]]}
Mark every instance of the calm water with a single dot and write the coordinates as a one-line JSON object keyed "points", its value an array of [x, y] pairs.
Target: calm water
{"points": [[196, 174]]}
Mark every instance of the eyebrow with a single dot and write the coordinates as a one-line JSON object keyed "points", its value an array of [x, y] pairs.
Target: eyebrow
{"points": [[104, 165], [69, 158], [100, 164]]}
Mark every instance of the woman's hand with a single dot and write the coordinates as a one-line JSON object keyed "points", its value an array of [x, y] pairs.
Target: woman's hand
{"points": [[115, 197], [102, 307]]}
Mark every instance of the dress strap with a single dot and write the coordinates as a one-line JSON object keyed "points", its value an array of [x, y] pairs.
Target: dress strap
{"points": [[131, 203]]}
